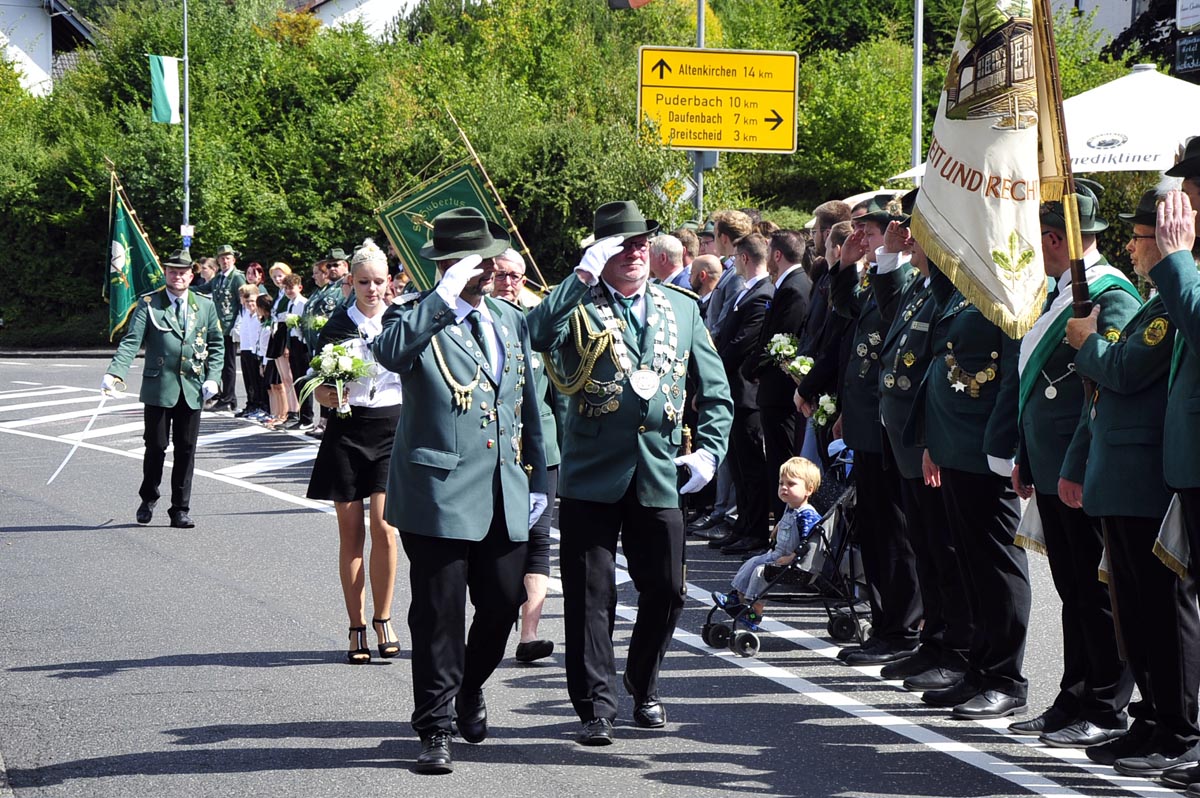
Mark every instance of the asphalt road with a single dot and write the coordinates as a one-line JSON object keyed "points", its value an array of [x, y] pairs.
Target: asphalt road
{"points": [[149, 661]]}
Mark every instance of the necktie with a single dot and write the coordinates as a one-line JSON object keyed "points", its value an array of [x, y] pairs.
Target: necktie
{"points": [[179, 313], [629, 314], [476, 322]]}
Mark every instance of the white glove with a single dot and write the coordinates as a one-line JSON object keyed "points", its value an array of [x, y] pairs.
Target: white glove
{"points": [[703, 466], [596, 256], [537, 506], [456, 278], [108, 385], [1000, 466], [209, 389]]}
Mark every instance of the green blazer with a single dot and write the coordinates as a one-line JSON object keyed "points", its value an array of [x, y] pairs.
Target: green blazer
{"points": [[906, 352], [547, 400], [1047, 425], [958, 428], [178, 359], [224, 291], [447, 458], [602, 452], [1122, 440], [1179, 286]]}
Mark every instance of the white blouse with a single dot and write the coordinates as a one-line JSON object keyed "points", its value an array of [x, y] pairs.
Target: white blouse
{"points": [[382, 387]]}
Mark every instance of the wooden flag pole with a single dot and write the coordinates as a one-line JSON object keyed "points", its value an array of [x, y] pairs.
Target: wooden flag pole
{"points": [[542, 284]]}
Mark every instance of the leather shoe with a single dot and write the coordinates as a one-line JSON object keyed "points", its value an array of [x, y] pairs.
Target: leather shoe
{"points": [[706, 521], [434, 758], [1052, 720], [472, 716], [1193, 791], [534, 650], [1132, 743], [1181, 777], [951, 696], [729, 539], [1080, 734], [597, 731], [908, 666], [744, 546], [880, 656], [872, 644], [648, 710], [989, 704], [721, 531], [180, 519], [1154, 764], [936, 678], [145, 512]]}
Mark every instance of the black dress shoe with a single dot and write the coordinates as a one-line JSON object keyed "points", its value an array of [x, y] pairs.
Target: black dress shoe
{"points": [[989, 704], [951, 696], [1080, 734], [648, 710], [908, 666], [597, 731], [706, 521], [145, 512], [1181, 777], [1052, 720], [729, 539], [1132, 743], [180, 519], [933, 679], [534, 650], [435, 754], [744, 546], [472, 716], [718, 531], [872, 644], [1152, 765], [881, 655]]}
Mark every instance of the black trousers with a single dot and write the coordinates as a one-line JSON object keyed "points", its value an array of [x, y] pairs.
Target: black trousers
{"points": [[780, 427], [888, 560], [179, 425], [228, 394], [298, 359], [947, 629], [653, 541], [748, 461], [447, 659], [1189, 501], [537, 558], [252, 381], [1156, 613], [1095, 684], [984, 512]]}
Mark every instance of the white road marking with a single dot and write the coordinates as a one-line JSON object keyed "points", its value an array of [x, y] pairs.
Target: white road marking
{"points": [[66, 365], [116, 429], [12, 363], [25, 393], [92, 398], [25, 382], [29, 422], [272, 463], [215, 437]]}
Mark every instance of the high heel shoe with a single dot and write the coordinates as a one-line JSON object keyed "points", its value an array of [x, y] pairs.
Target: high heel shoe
{"points": [[362, 654], [388, 647]]}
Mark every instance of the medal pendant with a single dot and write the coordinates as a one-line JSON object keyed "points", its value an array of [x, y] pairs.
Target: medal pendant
{"points": [[644, 383], [1051, 392]]}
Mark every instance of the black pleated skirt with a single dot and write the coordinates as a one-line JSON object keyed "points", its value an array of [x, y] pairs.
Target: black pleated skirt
{"points": [[355, 453]]}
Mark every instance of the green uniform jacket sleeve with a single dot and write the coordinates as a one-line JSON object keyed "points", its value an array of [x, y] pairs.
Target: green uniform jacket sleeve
{"points": [[1000, 435], [216, 344], [713, 403], [845, 297], [550, 321], [1075, 462], [407, 333], [1126, 366], [1178, 284], [131, 342], [889, 289]]}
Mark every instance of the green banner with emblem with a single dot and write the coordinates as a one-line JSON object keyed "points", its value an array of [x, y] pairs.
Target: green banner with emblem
{"points": [[133, 267], [407, 219]]}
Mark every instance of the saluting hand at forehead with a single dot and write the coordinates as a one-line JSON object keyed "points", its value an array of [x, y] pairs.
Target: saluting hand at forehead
{"points": [[1175, 229]]}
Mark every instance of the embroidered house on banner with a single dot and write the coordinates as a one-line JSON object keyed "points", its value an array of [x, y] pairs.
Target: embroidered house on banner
{"points": [[996, 77]]}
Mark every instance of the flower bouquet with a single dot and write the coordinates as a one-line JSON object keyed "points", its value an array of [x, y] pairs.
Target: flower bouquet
{"points": [[783, 350], [336, 365], [826, 408], [293, 321], [798, 367], [315, 323]]}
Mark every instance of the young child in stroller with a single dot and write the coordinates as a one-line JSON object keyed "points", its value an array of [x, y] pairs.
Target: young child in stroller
{"points": [[798, 479]]}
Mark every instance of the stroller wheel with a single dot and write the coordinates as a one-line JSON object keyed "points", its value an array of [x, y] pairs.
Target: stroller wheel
{"points": [[744, 644], [715, 635], [842, 628]]}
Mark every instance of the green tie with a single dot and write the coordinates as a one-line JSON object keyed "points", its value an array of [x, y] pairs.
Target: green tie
{"points": [[630, 317], [179, 313], [476, 322]]}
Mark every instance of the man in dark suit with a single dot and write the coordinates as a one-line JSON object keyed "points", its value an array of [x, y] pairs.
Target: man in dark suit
{"points": [[739, 342], [467, 477], [782, 424], [184, 357]]}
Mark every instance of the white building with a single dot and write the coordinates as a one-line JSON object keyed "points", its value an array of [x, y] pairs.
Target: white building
{"points": [[40, 37], [375, 15], [1112, 16]]}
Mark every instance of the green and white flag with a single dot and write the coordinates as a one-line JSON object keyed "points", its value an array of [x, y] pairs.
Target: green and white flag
{"points": [[133, 267], [164, 89]]}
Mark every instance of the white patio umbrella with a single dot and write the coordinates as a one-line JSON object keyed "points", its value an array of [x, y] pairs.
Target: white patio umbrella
{"points": [[1138, 122]]}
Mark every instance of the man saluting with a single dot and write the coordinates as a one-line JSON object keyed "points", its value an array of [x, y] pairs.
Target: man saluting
{"points": [[626, 350]]}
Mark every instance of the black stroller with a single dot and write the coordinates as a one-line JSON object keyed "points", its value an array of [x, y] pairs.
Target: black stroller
{"points": [[827, 570]]}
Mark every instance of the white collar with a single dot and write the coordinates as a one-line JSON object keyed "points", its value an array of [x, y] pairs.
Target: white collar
{"points": [[462, 309], [779, 280], [753, 281], [1090, 259], [368, 325], [636, 294], [672, 275], [175, 297]]}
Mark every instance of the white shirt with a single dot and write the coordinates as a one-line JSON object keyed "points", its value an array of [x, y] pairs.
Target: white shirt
{"points": [[495, 353], [779, 280], [386, 384], [638, 308], [296, 307], [753, 281]]}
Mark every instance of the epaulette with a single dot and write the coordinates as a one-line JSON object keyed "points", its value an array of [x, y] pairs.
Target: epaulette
{"points": [[680, 289], [149, 295], [405, 298], [510, 303]]}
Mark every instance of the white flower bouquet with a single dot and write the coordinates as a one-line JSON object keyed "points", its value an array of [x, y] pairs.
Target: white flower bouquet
{"points": [[292, 320], [798, 367], [335, 365], [825, 409], [315, 323]]}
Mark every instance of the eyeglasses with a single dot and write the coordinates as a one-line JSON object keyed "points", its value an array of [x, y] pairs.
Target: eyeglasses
{"points": [[513, 276], [1136, 236]]}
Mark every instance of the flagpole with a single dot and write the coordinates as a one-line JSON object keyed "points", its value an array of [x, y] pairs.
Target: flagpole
{"points": [[187, 170]]}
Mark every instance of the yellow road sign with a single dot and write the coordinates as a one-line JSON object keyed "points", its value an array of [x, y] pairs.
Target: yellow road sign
{"points": [[731, 100]]}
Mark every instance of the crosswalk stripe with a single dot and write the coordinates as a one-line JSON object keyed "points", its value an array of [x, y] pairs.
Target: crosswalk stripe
{"points": [[29, 422], [25, 393], [12, 363], [25, 382], [216, 437], [272, 463], [91, 398], [118, 429]]}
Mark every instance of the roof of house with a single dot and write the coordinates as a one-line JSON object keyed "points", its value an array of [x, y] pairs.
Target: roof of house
{"points": [[68, 25]]}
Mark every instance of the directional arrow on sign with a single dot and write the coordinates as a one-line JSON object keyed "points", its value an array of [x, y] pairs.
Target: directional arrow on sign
{"points": [[662, 68], [777, 119]]}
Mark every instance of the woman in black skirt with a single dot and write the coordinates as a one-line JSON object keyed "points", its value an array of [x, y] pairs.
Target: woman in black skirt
{"points": [[352, 463]]}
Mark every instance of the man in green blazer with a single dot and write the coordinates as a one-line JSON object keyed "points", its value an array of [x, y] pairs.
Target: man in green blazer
{"points": [[626, 350], [1095, 686], [1120, 437], [467, 477], [225, 299], [184, 358]]}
